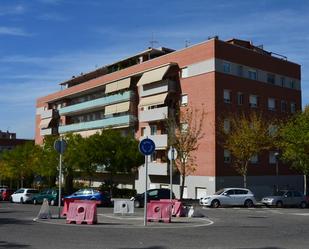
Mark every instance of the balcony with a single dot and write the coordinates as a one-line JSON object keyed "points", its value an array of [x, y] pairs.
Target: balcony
{"points": [[159, 169], [48, 131], [125, 120], [159, 140], [96, 103], [153, 114], [158, 87], [48, 113]]}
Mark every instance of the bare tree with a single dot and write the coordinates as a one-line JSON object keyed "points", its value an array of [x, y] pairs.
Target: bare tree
{"points": [[185, 130]]}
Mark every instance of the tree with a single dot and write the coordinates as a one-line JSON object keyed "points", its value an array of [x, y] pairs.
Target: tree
{"points": [[184, 133], [294, 143], [114, 152], [248, 136]]}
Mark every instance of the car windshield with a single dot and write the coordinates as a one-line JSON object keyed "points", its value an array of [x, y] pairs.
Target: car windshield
{"points": [[219, 192]]}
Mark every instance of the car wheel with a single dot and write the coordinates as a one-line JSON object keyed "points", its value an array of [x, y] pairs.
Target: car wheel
{"points": [[52, 202], [248, 203], [137, 204], [22, 200], [35, 202], [215, 204], [303, 204], [279, 204]]}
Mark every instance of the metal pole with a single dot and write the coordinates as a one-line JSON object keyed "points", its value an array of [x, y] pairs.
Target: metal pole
{"points": [[146, 183], [277, 174], [60, 176], [171, 174]]}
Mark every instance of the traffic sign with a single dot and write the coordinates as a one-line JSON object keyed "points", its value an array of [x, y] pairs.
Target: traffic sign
{"points": [[147, 146], [172, 154], [60, 146]]}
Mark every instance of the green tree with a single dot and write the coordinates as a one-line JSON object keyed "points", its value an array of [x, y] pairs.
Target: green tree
{"points": [[185, 132], [114, 152], [248, 136], [294, 143]]}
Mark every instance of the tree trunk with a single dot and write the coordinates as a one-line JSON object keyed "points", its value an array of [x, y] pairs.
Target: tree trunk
{"points": [[183, 178], [68, 184], [245, 181], [305, 184]]}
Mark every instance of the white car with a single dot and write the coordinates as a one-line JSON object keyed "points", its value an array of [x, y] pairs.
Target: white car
{"points": [[23, 195], [229, 197]]}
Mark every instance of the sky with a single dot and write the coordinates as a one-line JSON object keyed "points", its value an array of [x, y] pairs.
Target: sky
{"points": [[46, 42]]}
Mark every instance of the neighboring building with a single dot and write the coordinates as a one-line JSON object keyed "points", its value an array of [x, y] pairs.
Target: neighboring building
{"points": [[138, 93], [8, 141]]}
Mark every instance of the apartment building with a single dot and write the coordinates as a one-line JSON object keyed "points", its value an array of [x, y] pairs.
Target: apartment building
{"points": [[8, 141], [138, 93]]}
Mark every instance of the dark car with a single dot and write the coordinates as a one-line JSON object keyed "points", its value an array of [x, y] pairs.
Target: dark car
{"points": [[50, 194], [152, 194], [5, 193], [91, 194], [285, 198]]}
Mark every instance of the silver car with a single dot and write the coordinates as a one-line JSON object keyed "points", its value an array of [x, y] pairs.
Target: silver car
{"points": [[285, 198], [229, 197]]}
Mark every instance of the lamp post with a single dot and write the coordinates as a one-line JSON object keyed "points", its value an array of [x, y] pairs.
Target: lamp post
{"points": [[277, 154]]}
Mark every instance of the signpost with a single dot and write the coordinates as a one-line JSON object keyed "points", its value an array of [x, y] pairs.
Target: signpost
{"points": [[60, 146], [146, 147], [172, 155]]}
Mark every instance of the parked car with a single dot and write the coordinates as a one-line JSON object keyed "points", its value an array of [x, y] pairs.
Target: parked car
{"points": [[91, 194], [5, 194], [152, 194], [50, 194], [23, 195], [285, 198], [229, 197]]}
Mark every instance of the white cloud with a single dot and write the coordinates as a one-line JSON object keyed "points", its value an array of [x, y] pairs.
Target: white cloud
{"points": [[13, 31], [12, 10]]}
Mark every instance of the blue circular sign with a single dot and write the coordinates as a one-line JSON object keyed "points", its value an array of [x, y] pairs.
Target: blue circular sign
{"points": [[147, 146]]}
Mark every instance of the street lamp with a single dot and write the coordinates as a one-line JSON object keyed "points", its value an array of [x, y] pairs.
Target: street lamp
{"points": [[277, 154]]}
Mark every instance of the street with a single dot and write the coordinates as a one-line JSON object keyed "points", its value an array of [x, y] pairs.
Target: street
{"points": [[222, 228]]}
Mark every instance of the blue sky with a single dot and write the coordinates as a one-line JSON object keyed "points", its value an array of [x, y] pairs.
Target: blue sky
{"points": [[44, 42]]}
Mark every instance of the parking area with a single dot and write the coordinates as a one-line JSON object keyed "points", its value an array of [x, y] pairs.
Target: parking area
{"points": [[221, 228]]}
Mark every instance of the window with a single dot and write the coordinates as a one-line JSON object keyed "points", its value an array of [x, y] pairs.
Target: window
{"points": [[184, 127], [292, 84], [293, 107], [184, 72], [283, 106], [240, 98], [254, 159], [184, 100], [272, 130], [240, 192], [297, 194], [271, 104], [271, 78], [226, 67], [282, 81], [227, 156], [153, 157], [252, 74], [240, 70], [230, 192], [153, 130], [227, 96], [253, 100], [226, 125], [272, 157], [143, 131]]}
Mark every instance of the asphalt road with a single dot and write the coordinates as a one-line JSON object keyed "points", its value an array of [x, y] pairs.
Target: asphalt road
{"points": [[257, 228]]}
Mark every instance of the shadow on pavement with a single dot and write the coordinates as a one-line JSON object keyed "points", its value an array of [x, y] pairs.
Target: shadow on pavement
{"points": [[5, 244], [151, 247], [12, 221], [262, 248]]}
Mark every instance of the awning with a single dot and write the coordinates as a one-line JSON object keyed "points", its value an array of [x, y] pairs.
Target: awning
{"points": [[121, 107], [153, 75], [153, 100], [118, 85], [45, 123]]}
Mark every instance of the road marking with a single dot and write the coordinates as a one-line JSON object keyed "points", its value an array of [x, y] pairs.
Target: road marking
{"points": [[303, 214]]}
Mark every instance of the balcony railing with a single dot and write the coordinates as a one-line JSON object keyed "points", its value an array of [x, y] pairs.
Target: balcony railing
{"points": [[96, 103], [159, 140], [155, 168], [153, 114], [158, 87], [126, 120]]}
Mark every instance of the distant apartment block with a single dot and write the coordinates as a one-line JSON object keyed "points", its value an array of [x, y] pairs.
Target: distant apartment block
{"points": [[137, 94], [8, 141]]}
